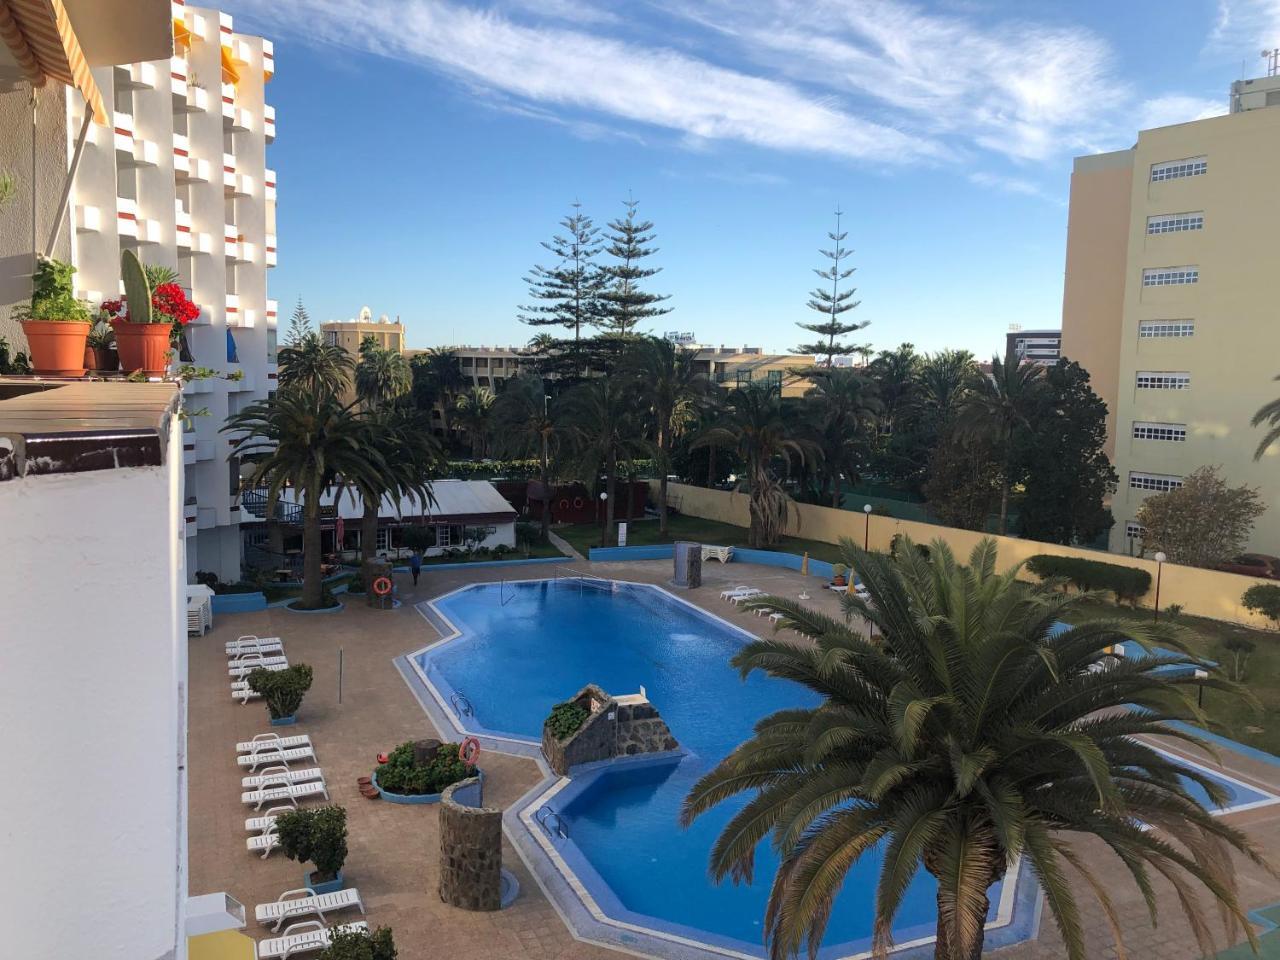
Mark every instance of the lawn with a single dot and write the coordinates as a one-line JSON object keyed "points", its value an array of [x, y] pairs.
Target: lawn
{"points": [[643, 533], [1239, 721]]}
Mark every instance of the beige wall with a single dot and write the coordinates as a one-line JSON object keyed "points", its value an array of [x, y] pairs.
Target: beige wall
{"points": [[1234, 355], [1093, 288], [1207, 593], [349, 335]]}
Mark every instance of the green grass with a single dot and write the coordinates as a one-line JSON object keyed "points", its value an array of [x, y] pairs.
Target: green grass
{"points": [[644, 533], [1269, 942], [1236, 718]]}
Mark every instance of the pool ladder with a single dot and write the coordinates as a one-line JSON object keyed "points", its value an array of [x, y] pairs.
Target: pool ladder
{"points": [[552, 823], [461, 705]]}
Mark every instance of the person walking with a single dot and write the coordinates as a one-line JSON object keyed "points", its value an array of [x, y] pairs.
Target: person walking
{"points": [[415, 566]]}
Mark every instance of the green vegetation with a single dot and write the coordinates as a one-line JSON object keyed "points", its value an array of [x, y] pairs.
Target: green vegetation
{"points": [[1203, 522], [403, 774], [566, 719], [1264, 599], [1127, 583], [53, 295], [642, 533], [955, 742], [345, 944], [282, 689], [317, 834]]}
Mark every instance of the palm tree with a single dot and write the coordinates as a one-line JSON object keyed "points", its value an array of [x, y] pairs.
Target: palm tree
{"points": [[896, 374], [755, 428], [1268, 413], [997, 407], [943, 378], [525, 424], [315, 367], [843, 408], [446, 379], [473, 410], [382, 375], [603, 429], [310, 441], [667, 380], [965, 735]]}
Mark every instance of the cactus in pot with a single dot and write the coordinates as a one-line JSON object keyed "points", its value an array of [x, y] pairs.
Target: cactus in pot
{"points": [[142, 341]]}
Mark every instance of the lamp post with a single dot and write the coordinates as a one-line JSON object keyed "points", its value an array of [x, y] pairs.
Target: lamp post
{"points": [[1160, 558], [1202, 676], [604, 518], [866, 530]]}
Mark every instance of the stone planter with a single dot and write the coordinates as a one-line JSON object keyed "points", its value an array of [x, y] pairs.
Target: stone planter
{"points": [[421, 798], [57, 346], [332, 886], [288, 721]]}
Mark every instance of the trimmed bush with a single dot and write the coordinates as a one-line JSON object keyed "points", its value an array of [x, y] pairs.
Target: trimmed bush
{"points": [[1264, 598], [566, 719], [282, 689], [359, 945], [318, 834], [404, 775], [1127, 583]]}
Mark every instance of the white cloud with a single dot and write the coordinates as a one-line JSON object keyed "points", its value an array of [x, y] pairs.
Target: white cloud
{"points": [[1247, 24], [1175, 108], [1017, 185]]}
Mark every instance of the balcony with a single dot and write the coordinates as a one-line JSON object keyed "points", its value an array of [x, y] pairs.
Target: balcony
{"points": [[122, 126], [246, 251], [178, 72], [269, 248], [268, 60], [228, 101], [201, 243], [224, 25], [145, 153], [127, 217], [197, 170], [232, 306], [231, 241], [246, 384], [269, 122], [148, 231], [269, 184], [195, 99], [182, 225], [238, 120], [189, 509], [181, 154], [273, 309], [88, 219], [240, 185], [189, 452], [228, 170], [137, 76]]}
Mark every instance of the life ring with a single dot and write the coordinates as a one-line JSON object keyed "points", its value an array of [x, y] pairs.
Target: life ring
{"points": [[382, 586], [469, 751], [564, 503], [577, 503]]}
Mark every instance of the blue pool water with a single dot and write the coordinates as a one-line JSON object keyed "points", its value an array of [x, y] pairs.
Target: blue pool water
{"points": [[527, 646]]}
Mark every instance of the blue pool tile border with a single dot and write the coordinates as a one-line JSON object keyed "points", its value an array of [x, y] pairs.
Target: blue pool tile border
{"points": [[764, 558], [1235, 746]]}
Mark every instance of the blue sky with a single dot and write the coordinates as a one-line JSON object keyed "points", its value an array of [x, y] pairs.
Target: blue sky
{"points": [[426, 148]]}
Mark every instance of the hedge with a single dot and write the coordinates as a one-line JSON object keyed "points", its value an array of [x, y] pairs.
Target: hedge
{"points": [[1127, 583], [525, 469]]}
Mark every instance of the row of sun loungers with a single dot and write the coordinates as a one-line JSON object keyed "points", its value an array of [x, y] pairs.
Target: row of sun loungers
{"points": [[248, 653]]}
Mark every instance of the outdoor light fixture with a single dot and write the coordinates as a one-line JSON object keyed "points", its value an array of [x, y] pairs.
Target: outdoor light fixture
{"points": [[866, 530], [1159, 558]]}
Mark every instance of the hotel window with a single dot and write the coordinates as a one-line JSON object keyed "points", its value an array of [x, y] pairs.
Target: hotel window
{"points": [[1163, 380], [1143, 430], [1155, 482], [1152, 329], [1170, 276], [1175, 223], [1134, 530], [381, 539], [1177, 169], [742, 376]]}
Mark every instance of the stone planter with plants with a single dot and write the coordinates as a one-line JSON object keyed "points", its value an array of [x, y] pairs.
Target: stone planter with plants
{"points": [[150, 317], [55, 322], [282, 690], [837, 575], [318, 835], [419, 772], [354, 943]]}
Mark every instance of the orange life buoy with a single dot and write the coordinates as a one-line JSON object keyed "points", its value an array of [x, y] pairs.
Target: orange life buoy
{"points": [[382, 586], [564, 503], [577, 503], [469, 751]]}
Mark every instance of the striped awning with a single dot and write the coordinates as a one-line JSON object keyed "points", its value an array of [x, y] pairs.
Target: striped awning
{"points": [[44, 44]]}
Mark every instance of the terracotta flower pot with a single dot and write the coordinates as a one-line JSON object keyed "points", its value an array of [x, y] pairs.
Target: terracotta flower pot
{"points": [[101, 359], [143, 346], [57, 347]]}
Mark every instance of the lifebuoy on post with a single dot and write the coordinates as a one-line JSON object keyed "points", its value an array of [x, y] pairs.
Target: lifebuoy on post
{"points": [[382, 586], [469, 751], [577, 503], [564, 503]]}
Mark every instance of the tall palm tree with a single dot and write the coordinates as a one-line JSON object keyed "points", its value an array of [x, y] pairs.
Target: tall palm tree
{"points": [[674, 391], [526, 424], [315, 367], [965, 735], [473, 411], [843, 408], [756, 429], [1268, 413], [310, 441], [997, 407], [943, 378], [444, 374], [603, 429], [897, 377], [382, 375]]}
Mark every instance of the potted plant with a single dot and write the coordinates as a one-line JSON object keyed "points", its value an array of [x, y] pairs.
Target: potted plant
{"points": [[318, 834], [282, 690], [412, 775], [55, 322], [149, 317], [100, 347], [837, 575]]}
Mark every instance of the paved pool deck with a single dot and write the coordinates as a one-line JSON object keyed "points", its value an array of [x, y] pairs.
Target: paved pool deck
{"points": [[393, 848]]}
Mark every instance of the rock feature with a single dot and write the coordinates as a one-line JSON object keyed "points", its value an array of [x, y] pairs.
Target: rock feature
{"points": [[617, 726], [470, 850]]}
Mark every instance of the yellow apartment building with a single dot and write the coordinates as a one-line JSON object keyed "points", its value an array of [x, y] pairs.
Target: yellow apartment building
{"points": [[349, 334], [1172, 297]]}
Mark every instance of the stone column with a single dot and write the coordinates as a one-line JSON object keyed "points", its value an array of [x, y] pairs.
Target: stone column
{"points": [[470, 852]]}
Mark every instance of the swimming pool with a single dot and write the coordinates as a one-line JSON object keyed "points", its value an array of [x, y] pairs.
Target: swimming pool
{"points": [[522, 647]]}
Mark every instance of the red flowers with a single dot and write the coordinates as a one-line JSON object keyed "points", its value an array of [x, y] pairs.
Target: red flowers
{"points": [[169, 304]]}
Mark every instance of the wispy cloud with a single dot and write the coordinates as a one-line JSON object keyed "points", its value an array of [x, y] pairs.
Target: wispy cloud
{"points": [[1016, 185], [1246, 24], [1175, 108]]}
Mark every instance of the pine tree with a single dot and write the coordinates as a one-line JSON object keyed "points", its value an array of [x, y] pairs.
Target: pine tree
{"points": [[299, 326], [624, 303], [568, 294], [833, 303]]}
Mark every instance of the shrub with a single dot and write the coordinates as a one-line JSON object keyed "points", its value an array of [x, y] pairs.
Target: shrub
{"points": [[1173, 612], [417, 538], [282, 689], [402, 774], [1239, 648], [318, 834], [1127, 583], [566, 719], [359, 945], [1264, 598]]}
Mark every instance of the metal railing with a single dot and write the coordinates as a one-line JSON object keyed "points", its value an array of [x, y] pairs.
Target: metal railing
{"points": [[461, 704], [552, 823]]}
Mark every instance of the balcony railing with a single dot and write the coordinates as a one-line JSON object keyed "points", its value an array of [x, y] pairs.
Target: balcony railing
{"points": [[269, 184], [228, 170], [269, 121], [269, 248]]}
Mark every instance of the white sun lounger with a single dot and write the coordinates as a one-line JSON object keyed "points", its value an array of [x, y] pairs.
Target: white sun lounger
{"points": [[304, 900], [302, 937], [751, 594], [273, 741], [266, 842], [284, 791], [242, 668], [723, 554], [267, 821], [279, 774], [251, 644], [741, 588], [240, 690], [275, 755]]}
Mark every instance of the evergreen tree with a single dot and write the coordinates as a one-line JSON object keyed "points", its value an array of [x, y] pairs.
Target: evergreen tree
{"points": [[833, 303], [624, 303], [299, 326], [568, 294]]}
